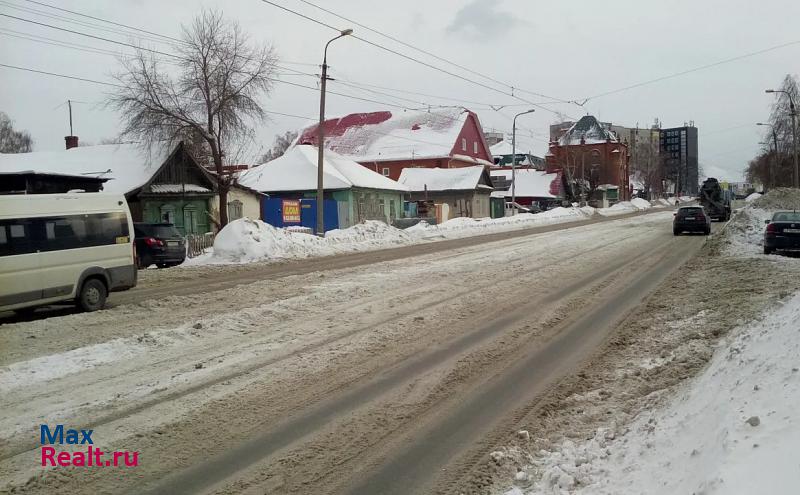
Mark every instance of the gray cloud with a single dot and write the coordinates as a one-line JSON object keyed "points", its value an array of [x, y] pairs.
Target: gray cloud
{"points": [[482, 18]]}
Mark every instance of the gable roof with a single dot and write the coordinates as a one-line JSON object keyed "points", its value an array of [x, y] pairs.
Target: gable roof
{"points": [[530, 184], [445, 179], [589, 129], [380, 136], [296, 170], [128, 166]]}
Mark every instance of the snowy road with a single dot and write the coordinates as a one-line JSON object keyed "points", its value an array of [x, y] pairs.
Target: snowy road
{"points": [[368, 378]]}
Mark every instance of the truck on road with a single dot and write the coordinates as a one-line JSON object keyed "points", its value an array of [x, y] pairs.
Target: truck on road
{"points": [[715, 201]]}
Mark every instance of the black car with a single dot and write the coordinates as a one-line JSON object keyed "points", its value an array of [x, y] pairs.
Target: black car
{"points": [[158, 243], [691, 219], [782, 232]]}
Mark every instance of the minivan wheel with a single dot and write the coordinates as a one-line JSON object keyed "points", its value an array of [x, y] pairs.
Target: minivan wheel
{"points": [[92, 296]]}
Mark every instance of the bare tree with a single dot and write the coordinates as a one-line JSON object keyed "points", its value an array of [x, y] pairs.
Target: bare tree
{"points": [[12, 141], [212, 100], [279, 147]]}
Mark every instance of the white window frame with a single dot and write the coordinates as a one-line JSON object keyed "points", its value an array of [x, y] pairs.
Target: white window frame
{"points": [[386, 171], [475, 147], [463, 144]]}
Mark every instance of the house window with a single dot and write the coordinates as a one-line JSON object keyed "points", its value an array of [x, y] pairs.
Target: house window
{"points": [[234, 210], [392, 210], [386, 171], [463, 144], [475, 147], [167, 213]]}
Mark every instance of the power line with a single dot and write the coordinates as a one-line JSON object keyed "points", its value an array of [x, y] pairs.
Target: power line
{"points": [[408, 57], [437, 57], [27, 69], [70, 20], [106, 20], [108, 40], [53, 42], [695, 69]]}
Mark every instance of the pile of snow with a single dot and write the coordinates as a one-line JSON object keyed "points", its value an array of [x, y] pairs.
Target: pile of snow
{"points": [[745, 231], [731, 430], [754, 196], [371, 233], [464, 227], [623, 207], [245, 240], [782, 198]]}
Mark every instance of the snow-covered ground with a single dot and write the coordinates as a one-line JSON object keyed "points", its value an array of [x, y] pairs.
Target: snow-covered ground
{"points": [[246, 240], [732, 430]]}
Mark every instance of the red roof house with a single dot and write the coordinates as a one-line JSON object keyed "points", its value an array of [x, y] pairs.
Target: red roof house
{"points": [[387, 142]]}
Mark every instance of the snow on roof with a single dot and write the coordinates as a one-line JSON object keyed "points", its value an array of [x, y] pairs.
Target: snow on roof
{"points": [[442, 179], [178, 188], [296, 170], [391, 135], [589, 129], [128, 166], [503, 148], [531, 183]]}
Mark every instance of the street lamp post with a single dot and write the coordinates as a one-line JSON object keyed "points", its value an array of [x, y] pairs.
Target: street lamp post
{"points": [[514, 160], [796, 178], [321, 135], [775, 159]]}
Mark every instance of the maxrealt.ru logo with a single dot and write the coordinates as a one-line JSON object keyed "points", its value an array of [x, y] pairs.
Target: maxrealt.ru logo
{"points": [[91, 457]]}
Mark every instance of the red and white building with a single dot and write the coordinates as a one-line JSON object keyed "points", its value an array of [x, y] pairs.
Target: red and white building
{"points": [[387, 142]]}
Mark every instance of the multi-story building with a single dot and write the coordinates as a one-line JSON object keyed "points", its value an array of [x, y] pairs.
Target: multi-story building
{"points": [[680, 158]]}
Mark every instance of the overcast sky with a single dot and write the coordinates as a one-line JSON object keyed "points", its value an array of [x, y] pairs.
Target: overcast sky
{"points": [[567, 50]]}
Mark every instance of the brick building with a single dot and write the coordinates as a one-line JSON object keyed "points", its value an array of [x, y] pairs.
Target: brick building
{"points": [[387, 142], [590, 151]]}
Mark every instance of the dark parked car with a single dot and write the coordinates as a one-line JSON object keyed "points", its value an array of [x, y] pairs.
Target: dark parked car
{"points": [[158, 243], [691, 219], [782, 232]]}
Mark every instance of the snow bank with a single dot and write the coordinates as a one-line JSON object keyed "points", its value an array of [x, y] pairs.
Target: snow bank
{"points": [[745, 232], [623, 207], [368, 234], [246, 240], [731, 430], [465, 227], [752, 197]]}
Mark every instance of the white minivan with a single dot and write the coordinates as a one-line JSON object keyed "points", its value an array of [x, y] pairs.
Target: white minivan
{"points": [[64, 247]]}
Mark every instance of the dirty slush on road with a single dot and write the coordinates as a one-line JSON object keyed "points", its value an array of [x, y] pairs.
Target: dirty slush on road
{"points": [[664, 342]]}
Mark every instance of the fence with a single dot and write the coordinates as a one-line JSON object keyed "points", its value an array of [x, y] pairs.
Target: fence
{"points": [[196, 244]]}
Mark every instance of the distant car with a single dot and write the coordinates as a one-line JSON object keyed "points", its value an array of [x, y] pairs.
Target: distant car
{"points": [[158, 243], [782, 232], [691, 219]]}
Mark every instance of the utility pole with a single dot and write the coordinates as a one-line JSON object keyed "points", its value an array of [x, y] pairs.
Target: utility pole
{"points": [[69, 104], [321, 137], [514, 160]]}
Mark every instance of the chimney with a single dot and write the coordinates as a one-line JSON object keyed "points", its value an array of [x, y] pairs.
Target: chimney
{"points": [[72, 141]]}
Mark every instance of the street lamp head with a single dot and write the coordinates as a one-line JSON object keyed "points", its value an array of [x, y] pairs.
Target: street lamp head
{"points": [[346, 32], [769, 91], [761, 123]]}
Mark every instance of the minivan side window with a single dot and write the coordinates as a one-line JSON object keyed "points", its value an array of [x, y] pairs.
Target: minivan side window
{"points": [[18, 237], [56, 233]]}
